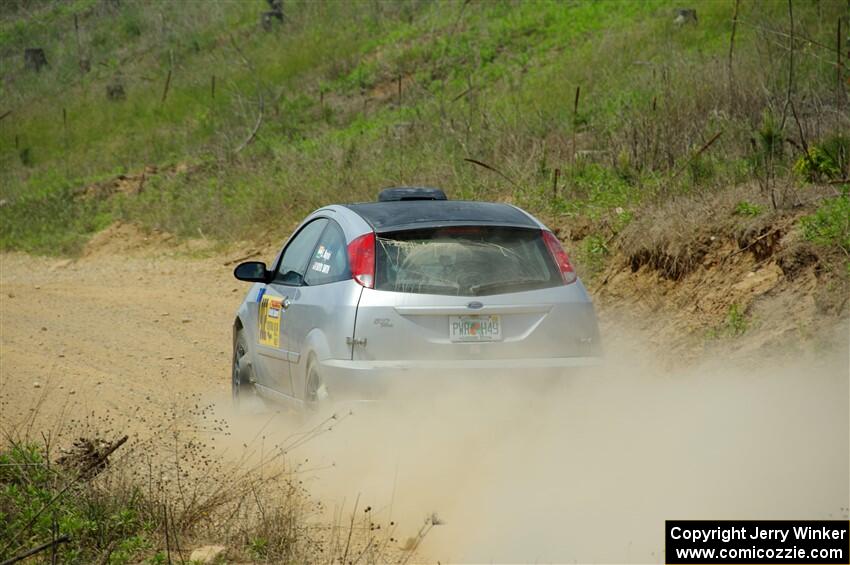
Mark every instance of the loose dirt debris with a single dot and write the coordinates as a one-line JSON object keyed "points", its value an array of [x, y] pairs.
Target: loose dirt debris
{"points": [[88, 457]]}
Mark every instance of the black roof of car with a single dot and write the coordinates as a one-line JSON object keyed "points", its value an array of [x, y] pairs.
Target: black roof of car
{"points": [[413, 214]]}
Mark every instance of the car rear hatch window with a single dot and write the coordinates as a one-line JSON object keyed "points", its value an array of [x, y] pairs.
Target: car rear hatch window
{"points": [[464, 261]]}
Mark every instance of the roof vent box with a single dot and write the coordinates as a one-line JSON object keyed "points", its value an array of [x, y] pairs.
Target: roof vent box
{"points": [[411, 193]]}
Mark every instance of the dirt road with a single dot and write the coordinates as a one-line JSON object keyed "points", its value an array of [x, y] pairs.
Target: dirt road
{"points": [[132, 334]]}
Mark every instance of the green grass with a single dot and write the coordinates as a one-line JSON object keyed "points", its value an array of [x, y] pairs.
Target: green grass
{"points": [[734, 325], [830, 224], [493, 81], [93, 520], [747, 209], [50, 220], [829, 160]]}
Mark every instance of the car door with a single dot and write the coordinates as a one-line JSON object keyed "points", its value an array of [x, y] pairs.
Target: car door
{"points": [[323, 308], [273, 348]]}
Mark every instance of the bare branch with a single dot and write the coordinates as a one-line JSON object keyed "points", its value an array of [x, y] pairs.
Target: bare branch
{"points": [[702, 150], [260, 99], [491, 168], [51, 544], [731, 50]]}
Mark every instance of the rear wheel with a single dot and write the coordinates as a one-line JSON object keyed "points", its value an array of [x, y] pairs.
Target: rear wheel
{"points": [[316, 392], [240, 383]]}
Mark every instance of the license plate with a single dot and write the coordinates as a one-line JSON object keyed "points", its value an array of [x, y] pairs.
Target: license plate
{"points": [[475, 328]]}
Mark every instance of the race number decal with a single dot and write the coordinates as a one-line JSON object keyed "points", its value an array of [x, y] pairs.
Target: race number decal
{"points": [[271, 310]]}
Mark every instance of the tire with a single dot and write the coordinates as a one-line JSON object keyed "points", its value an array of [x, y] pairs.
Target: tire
{"points": [[240, 382], [315, 393]]}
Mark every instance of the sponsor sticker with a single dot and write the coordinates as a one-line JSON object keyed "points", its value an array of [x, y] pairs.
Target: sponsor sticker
{"points": [[271, 309], [321, 267]]}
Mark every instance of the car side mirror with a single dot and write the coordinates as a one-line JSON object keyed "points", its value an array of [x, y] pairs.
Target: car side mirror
{"points": [[251, 271]]}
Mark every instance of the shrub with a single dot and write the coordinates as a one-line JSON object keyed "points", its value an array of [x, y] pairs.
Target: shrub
{"points": [[830, 224], [837, 148], [770, 137], [594, 251], [745, 208], [736, 322], [734, 325], [828, 160], [92, 519]]}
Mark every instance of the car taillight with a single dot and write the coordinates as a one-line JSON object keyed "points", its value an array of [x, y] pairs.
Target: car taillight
{"points": [[361, 259], [560, 257]]}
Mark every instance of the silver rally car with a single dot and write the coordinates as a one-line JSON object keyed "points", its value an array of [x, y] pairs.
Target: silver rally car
{"points": [[413, 286]]}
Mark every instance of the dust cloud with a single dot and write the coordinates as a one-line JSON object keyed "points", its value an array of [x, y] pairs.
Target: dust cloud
{"points": [[587, 470]]}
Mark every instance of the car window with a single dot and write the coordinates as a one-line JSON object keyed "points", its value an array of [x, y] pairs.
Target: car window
{"points": [[329, 262], [293, 264], [464, 261]]}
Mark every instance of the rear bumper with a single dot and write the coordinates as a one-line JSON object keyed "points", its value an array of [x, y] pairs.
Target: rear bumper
{"points": [[368, 380]]}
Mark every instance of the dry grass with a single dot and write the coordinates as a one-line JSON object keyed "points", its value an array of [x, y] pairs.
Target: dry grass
{"points": [[673, 236], [165, 492]]}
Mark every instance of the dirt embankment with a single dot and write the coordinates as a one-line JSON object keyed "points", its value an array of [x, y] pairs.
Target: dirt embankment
{"points": [[694, 278]]}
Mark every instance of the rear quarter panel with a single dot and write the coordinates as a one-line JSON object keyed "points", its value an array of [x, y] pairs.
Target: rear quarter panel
{"points": [[322, 319]]}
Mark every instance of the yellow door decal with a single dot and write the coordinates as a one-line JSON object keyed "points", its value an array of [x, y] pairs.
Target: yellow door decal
{"points": [[271, 310]]}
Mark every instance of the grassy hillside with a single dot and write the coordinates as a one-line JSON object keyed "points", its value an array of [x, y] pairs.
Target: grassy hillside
{"points": [[236, 131]]}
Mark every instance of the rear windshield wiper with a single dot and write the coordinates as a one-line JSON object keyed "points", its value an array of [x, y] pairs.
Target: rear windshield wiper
{"points": [[425, 288], [508, 285]]}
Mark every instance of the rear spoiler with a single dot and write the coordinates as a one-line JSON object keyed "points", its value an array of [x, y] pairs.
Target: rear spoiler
{"points": [[459, 223], [411, 193]]}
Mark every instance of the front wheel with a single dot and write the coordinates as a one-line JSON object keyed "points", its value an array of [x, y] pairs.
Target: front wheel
{"points": [[240, 381]]}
